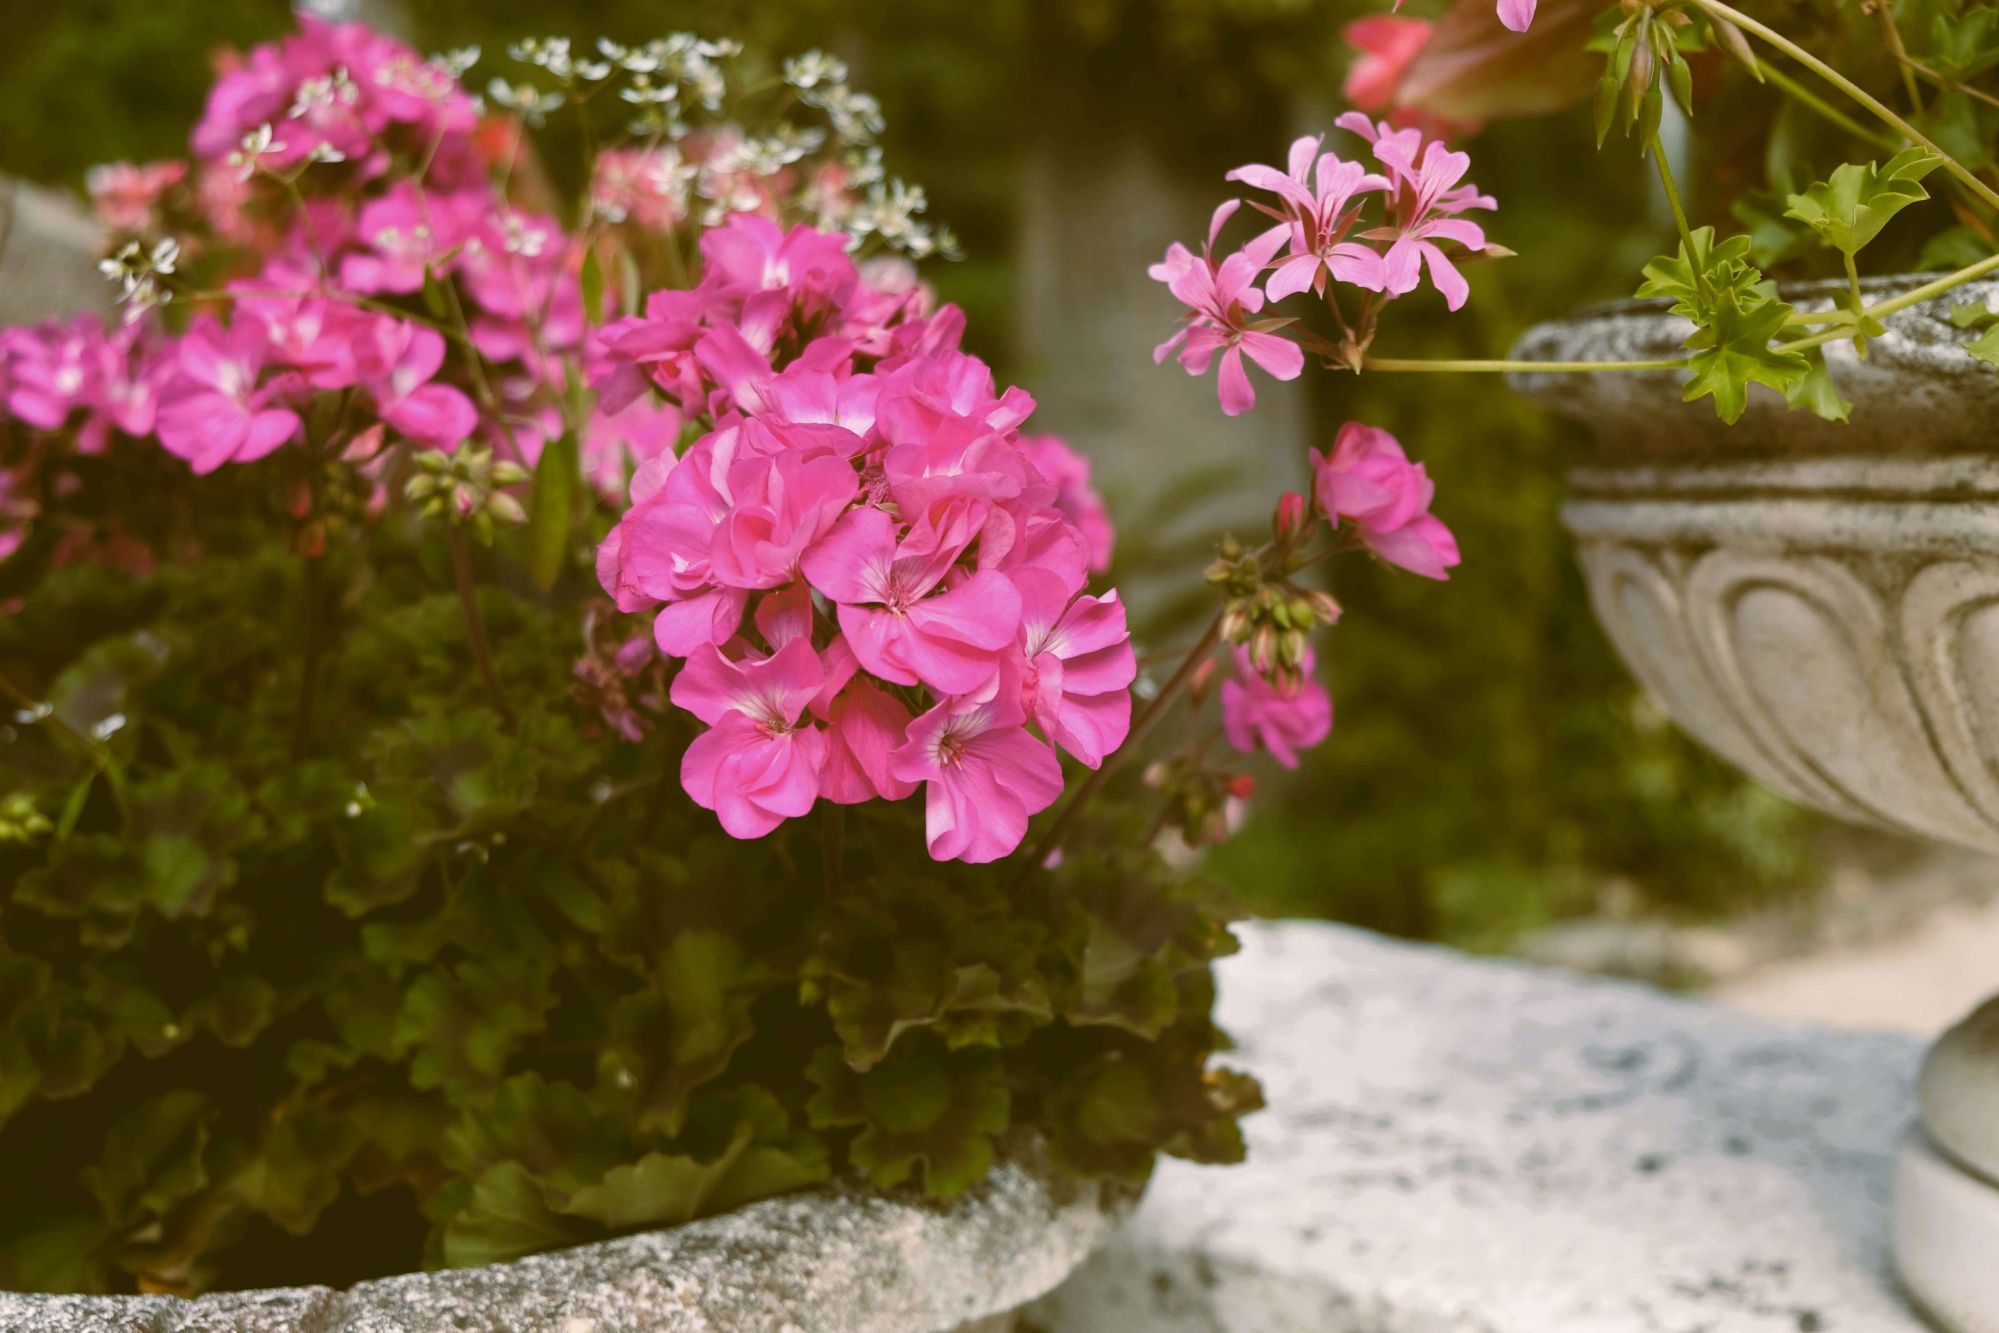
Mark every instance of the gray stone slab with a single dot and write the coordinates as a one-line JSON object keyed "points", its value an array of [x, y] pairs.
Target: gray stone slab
{"points": [[1463, 1146], [48, 256], [829, 1261]]}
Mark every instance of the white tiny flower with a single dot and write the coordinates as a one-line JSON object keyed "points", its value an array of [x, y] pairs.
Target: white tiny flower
{"points": [[456, 62], [108, 727], [813, 69], [257, 145]]}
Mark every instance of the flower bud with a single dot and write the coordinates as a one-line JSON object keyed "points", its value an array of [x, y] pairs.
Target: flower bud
{"points": [[1202, 681], [1263, 649], [1291, 648], [1304, 612], [505, 508], [509, 474], [1324, 607], [1230, 549], [1241, 786], [1236, 623], [1220, 571], [1158, 773], [1291, 520]]}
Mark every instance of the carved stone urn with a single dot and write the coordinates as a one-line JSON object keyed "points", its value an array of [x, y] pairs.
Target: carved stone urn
{"points": [[1819, 604]]}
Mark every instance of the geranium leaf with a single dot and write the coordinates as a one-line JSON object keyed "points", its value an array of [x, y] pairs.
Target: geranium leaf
{"points": [[1736, 352], [1852, 207]]}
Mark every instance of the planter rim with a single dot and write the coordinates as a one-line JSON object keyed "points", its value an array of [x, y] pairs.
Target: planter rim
{"points": [[840, 1259], [1918, 391]]}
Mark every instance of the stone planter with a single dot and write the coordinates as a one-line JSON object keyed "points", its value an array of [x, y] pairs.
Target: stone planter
{"points": [[828, 1261], [1819, 604]]}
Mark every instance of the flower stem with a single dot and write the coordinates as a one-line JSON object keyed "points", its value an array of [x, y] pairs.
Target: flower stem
{"points": [[1679, 212], [475, 624], [1147, 718], [93, 753], [1420, 365], [311, 593], [1882, 309], [1880, 109], [1811, 101]]}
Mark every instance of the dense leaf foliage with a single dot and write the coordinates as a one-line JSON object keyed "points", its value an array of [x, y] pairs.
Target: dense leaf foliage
{"points": [[424, 988]]}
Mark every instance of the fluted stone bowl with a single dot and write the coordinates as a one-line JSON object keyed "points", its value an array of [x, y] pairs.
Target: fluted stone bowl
{"points": [[1819, 604], [834, 1260]]}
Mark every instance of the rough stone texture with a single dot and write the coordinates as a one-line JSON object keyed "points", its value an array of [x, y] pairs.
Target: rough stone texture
{"points": [[1818, 604], [48, 256], [831, 1261], [1458, 1146], [1917, 391]]}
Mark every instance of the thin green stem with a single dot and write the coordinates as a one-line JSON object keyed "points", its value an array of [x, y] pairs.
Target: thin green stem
{"points": [[1147, 718], [311, 594], [1679, 211], [475, 624], [1812, 102], [1420, 366], [93, 752], [1875, 105]]}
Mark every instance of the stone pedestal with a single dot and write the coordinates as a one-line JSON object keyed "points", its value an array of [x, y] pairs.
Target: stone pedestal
{"points": [[1463, 1146], [1819, 604]]}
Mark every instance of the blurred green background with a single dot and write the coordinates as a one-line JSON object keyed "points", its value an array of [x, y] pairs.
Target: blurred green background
{"points": [[1493, 768]]}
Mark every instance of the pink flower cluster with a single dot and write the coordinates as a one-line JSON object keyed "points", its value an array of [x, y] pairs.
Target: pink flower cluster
{"points": [[1280, 715], [874, 582], [1321, 237], [351, 88]]}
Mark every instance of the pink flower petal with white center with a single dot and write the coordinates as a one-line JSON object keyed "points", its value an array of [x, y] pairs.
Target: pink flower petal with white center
{"points": [[753, 780], [853, 562]]}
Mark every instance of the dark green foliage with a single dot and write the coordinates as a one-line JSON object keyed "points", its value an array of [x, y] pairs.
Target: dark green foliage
{"points": [[269, 1014]]}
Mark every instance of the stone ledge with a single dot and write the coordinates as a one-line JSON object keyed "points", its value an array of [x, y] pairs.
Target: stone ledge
{"points": [[1461, 1146], [830, 1261]]}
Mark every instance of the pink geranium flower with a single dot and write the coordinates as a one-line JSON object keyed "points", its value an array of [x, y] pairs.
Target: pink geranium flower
{"points": [[214, 411], [1282, 717], [1370, 480], [1075, 497], [124, 196], [1318, 191], [397, 365], [1220, 299], [952, 641], [1079, 666], [755, 766], [984, 777], [1429, 194]]}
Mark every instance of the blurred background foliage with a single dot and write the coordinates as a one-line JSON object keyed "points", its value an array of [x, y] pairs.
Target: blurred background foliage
{"points": [[1493, 768]]}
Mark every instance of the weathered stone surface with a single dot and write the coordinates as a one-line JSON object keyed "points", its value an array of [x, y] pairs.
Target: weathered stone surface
{"points": [[1818, 604], [832, 1261], [48, 256], [1959, 1091], [1917, 391], [1457, 1146]]}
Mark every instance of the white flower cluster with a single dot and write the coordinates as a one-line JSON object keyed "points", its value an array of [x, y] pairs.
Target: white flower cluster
{"points": [[138, 270]]}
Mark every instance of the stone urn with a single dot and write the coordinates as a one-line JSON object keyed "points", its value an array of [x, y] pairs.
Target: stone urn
{"points": [[1819, 604], [832, 1260]]}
